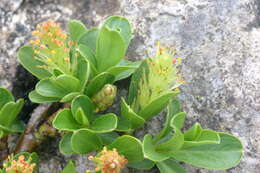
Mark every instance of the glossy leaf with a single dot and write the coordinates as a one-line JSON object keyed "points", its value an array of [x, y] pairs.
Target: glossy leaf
{"points": [[9, 112], [123, 125], [205, 137], [173, 144], [69, 97], [87, 53], [50, 88], [97, 83], [178, 120], [135, 120], [37, 98], [5, 97], [104, 123], [110, 49], [173, 108], [85, 104], [64, 121], [143, 165], [225, 155], [70, 168], [121, 25], [65, 144], [193, 132], [81, 118], [108, 138], [70, 83], [26, 58], [170, 166], [76, 29], [150, 150], [89, 39], [129, 147], [83, 72], [84, 141], [157, 105]]}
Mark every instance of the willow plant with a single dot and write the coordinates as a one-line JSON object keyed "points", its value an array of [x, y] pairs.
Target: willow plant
{"points": [[80, 67]]}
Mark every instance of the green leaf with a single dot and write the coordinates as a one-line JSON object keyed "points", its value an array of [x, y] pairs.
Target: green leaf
{"points": [[70, 83], [84, 141], [76, 29], [143, 165], [97, 83], [104, 123], [1, 133], [172, 109], [108, 138], [170, 166], [110, 49], [26, 58], [89, 39], [87, 53], [193, 132], [70, 168], [57, 72], [150, 150], [85, 104], [121, 25], [64, 121], [157, 105], [225, 155], [129, 147], [123, 125], [17, 126], [83, 72], [9, 112], [69, 97], [50, 88], [178, 120], [37, 98], [65, 144], [5, 97], [81, 118], [121, 72], [135, 80], [135, 120], [205, 137], [173, 144]]}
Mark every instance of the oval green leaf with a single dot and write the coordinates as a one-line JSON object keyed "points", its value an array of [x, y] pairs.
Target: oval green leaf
{"points": [[37, 98], [84, 141], [26, 58], [104, 123], [64, 121], [225, 155], [110, 49], [65, 144], [5, 97], [129, 147], [85, 104], [170, 166]]}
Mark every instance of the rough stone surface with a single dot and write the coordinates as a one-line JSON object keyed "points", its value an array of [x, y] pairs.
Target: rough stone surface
{"points": [[219, 41]]}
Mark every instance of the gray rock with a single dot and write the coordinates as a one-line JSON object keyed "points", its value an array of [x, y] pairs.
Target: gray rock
{"points": [[219, 43]]}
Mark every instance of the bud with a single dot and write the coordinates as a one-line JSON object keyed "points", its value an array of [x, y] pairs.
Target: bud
{"points": [[109, 161], [105, 97]]}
